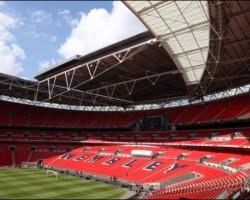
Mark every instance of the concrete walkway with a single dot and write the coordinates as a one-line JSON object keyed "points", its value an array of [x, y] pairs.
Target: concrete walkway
{"points": [[128, 194]]}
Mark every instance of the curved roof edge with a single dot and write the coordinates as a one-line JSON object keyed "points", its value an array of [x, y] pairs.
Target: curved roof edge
{"points": [[183, 28]]}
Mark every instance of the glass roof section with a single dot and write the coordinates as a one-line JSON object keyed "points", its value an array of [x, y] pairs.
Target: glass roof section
{"points": [[183, 28]]}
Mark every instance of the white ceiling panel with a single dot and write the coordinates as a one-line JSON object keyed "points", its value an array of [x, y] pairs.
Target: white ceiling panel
{"points": [[183, 29]]}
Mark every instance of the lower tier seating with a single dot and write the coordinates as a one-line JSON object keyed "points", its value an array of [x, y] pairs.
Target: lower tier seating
{"points": [[181, 171], [210, 188], [15, 154]]}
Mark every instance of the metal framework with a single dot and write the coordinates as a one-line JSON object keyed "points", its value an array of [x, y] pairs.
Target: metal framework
{"points": [[183, 29], [169, 104], [164, 20], [122, 90], [94, 69], [218, 29], [227, 66], [187, 101]]}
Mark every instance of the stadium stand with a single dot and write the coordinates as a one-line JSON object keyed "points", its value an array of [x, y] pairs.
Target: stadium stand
{"points": [[47, 117], [164, 170]]}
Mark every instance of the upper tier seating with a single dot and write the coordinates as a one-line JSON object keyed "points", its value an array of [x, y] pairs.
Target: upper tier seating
{"points": [[189, 114], [211, 111], [235, 107], [5, 112], [25, 115]]}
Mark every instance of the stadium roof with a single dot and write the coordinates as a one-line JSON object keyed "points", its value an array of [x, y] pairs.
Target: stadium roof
{"points": [[192, 48], [183, 29]]}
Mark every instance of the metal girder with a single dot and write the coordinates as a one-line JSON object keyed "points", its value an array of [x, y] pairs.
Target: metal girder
{"points": [[167, 104], [242, 12], [152, 80], [245, 58], [185, 101], [15, 82], [233, 74], [217, 41], [219, 79], [150, 7], [97, 61], [191, 51], [19, 89], [220, 33], [239, 60], [237, 42], [193, 27], [120, 57]]}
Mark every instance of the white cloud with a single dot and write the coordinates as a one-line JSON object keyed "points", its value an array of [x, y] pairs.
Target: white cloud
{"points": [[41, 17], [45, 64], [53, 38], [10, 51], [35, 34], [25, 78], [5, 35], [8, 58], [63, 12], [99, 28], [68, 18], [17, 51], [8, 21]]}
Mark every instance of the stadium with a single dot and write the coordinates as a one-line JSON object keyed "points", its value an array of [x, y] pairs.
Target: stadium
{"points": [[164, 114]]}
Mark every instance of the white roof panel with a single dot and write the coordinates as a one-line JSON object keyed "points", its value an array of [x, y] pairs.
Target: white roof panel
{"points": [[174, 46], [155, 2], [139, 5], [183, 29]]}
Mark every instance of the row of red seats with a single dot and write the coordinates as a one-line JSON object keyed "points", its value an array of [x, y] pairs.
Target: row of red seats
{"points": [[140, 170], [26, 115], [203, 189], [225, 109], [23, 153], [7, 158], [18, 114], [227, 138]]}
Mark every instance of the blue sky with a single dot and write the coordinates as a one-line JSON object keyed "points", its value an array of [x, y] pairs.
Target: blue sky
{"points": [[35, 35]]}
